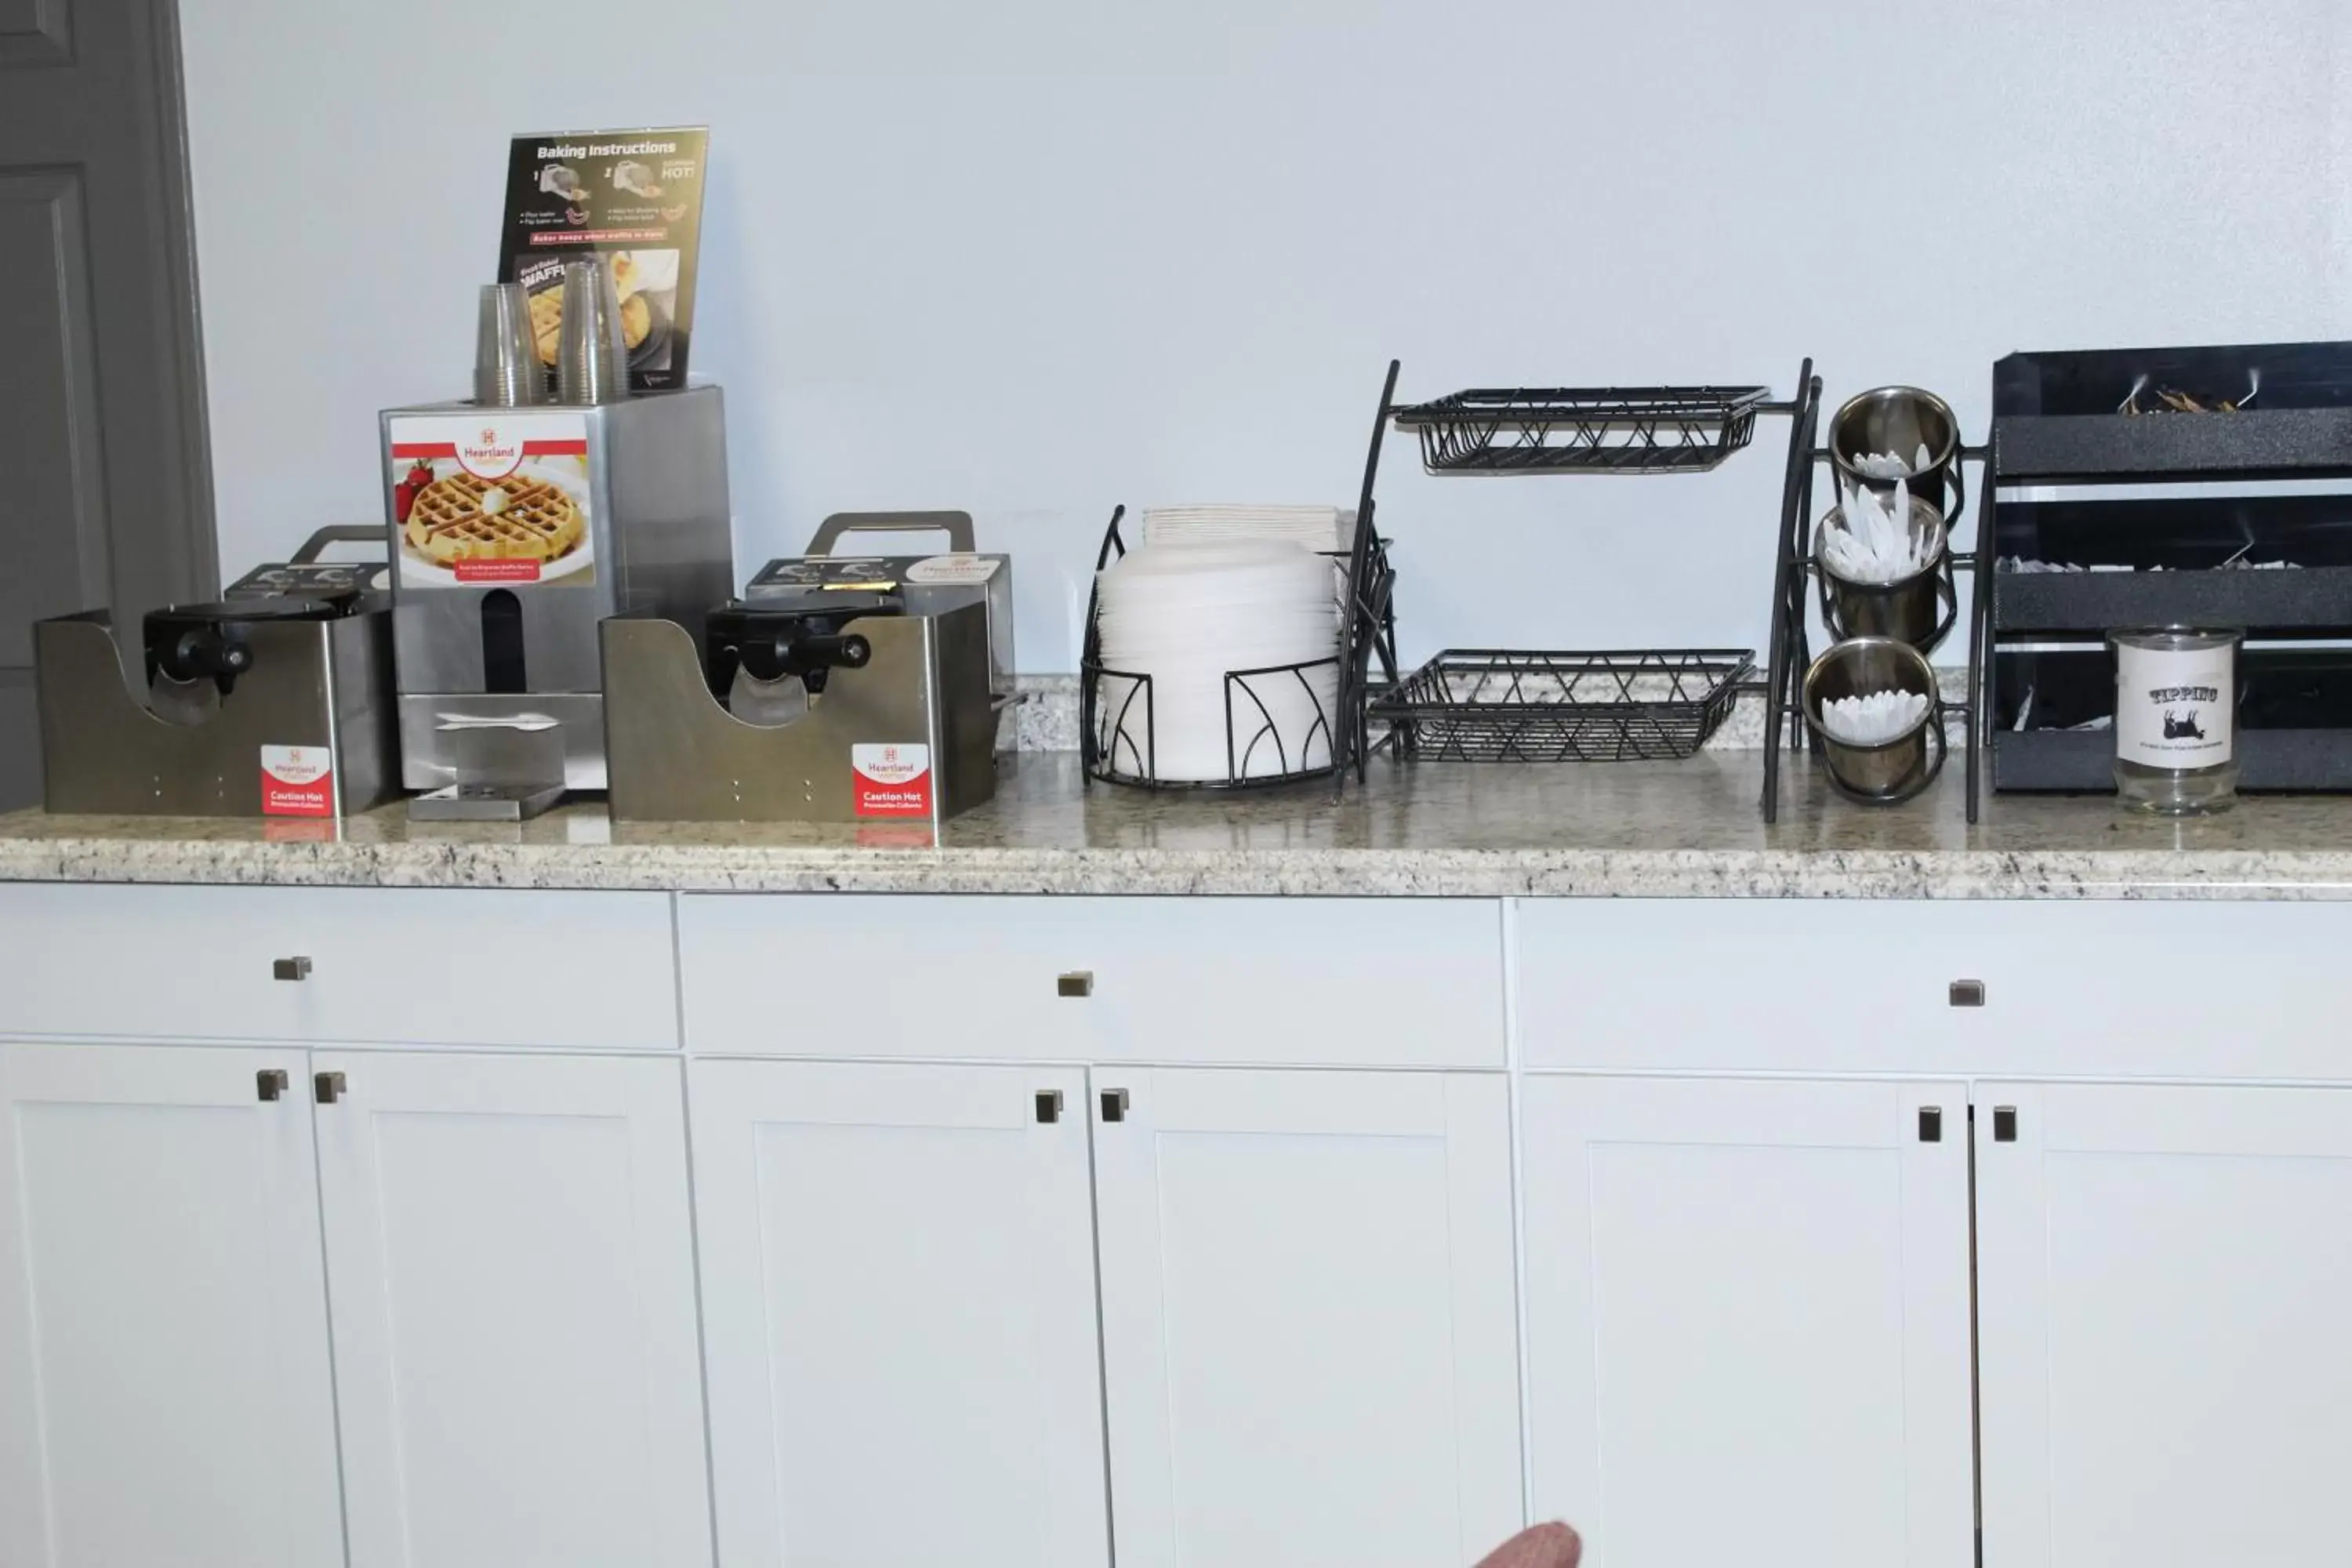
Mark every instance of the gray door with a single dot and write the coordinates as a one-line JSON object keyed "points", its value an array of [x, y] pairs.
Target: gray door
{"points": [[105, 495]]}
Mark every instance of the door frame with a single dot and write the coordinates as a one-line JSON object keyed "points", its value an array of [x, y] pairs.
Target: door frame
{"points": [[152, 554], [193, 541]]}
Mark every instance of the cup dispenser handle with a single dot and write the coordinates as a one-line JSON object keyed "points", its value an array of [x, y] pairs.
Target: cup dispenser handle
{"points": [[342, 534], [956, 525]]}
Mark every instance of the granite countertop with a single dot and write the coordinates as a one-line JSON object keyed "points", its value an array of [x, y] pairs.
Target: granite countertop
{"points": [[1636, 830]]}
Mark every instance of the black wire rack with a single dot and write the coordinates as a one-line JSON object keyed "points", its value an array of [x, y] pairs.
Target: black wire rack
{"points": [[1616, 430], [1124, 735], [1794, 571], [1493, 705], [1643, 431]]}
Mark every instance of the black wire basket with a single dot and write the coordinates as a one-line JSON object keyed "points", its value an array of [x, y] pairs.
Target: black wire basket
{"points": [[1122, 742], [1497, 705], [1600, 430]]}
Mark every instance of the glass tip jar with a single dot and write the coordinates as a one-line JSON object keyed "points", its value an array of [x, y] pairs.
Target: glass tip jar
{"points": [[2176, 720]]}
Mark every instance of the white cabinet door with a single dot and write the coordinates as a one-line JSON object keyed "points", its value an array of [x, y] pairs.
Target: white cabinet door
{"points": [[2165, 1286], [898, 1291], [1308, 1330], [510, 1248], [1748, 1319], [166, 1395]]}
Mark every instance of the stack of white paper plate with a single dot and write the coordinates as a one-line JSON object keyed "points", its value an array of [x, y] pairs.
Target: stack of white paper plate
{"points": [[1315, 527], [1187, 616]]}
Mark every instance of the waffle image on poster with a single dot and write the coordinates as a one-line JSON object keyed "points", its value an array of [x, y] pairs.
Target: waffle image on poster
{"points": [[463, 518], [647, 285]]}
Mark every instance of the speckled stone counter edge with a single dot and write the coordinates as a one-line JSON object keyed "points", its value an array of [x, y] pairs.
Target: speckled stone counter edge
{"points": [[1680, 829], [1303, 872]]}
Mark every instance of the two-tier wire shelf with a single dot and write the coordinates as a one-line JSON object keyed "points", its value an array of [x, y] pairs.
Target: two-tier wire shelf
{"points": [[1542, 706]]}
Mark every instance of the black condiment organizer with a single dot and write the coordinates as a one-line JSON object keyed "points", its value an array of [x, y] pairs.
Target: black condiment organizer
{"points": [[2059, 422]]}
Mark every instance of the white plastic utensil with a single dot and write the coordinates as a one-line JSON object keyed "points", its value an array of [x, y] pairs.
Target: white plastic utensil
{"points": [[1892, 466], [1874, 540], [1874, 719]]}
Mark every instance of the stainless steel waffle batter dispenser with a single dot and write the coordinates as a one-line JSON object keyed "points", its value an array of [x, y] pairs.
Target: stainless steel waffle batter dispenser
{"points": [[274, 702], [514, 532], [849, 690]]}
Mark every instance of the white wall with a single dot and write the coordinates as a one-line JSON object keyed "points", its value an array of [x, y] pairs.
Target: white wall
{"points": [[1036, 257]]}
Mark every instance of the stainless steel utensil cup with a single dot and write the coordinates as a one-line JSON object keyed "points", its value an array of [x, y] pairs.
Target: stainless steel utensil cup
{"points": [[1901, 420], [1893, 770], [507, 371], [1918, 609], [592, 362]]}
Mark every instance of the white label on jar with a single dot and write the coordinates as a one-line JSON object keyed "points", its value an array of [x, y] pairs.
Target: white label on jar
{"points": [[2175, 708]]}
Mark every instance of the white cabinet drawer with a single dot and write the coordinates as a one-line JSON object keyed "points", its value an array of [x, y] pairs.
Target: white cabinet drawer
{"points": [[1748, 985], [2221, 990], [1292, 982], [2070, 988], [408, 967]]}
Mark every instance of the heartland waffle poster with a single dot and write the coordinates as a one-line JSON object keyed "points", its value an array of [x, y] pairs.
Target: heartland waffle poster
{"points": [[631, 199], [493, 495]]}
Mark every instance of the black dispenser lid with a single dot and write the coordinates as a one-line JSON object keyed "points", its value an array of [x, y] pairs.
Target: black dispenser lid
{"points": [[207, 641], [222, 612], [801, 635]]}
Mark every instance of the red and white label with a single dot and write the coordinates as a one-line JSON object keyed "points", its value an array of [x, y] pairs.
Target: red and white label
{"points": [[494, 571], [490, 448], [408, 451], [298, 781], [891, 781]]}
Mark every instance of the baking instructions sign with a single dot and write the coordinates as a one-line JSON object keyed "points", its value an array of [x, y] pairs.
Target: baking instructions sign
{"points": [[629, 199]]}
